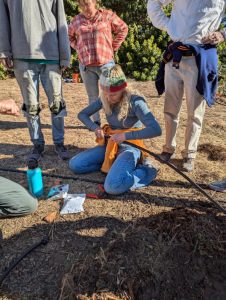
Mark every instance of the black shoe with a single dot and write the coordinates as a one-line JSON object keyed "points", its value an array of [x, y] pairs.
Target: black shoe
{"points": [[62, 151], [35, 155], [166, 156]]}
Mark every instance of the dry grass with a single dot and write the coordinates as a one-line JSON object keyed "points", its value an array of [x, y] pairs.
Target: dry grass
{"points": [[162, 242]]}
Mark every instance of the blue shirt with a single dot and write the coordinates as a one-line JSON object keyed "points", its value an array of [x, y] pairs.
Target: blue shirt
{"points": [[138, 114]]}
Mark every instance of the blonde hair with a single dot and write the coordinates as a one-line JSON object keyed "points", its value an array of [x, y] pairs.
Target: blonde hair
{"points": [[124, 104]]}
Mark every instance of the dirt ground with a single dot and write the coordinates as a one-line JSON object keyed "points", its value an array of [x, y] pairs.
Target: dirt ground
{"points": [[165, 241]]}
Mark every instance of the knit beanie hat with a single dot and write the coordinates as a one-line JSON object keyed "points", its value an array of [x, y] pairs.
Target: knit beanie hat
{"points": [[113, 79]]}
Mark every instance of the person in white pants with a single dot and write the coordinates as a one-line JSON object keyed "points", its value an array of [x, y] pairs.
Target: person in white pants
{"points": [[190, 21]]}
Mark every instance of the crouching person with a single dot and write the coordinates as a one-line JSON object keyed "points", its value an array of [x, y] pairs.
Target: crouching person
{"points": [[14, 199], [126, 166]]}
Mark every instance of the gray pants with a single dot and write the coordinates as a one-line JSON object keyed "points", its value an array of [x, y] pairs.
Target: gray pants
{"points": [[90, 77], [28, 76], [178, 82], [15, 200]]}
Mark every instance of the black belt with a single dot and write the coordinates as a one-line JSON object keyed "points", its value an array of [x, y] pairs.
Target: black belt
{"points": [[187, 53]]}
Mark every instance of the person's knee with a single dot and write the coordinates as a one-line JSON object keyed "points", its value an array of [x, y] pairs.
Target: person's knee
{"points": [[76, 165], [24, 204], [31, 110], [115, 186], [57, 105], [30, 205]]}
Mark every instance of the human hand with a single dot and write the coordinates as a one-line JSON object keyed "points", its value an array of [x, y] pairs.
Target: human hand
{"points": [[7, 62], [118, 138], [99, 133], [9, 107], [213, 38]]}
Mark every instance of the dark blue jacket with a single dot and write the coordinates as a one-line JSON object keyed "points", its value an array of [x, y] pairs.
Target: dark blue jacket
{"points": [[207, 64]]}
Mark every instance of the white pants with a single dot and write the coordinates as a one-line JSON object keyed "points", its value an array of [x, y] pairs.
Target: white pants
{"points": [[178, 82]]}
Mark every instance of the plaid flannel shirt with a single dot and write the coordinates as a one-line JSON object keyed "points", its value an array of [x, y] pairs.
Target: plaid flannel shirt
{"points": [[96, 39]]}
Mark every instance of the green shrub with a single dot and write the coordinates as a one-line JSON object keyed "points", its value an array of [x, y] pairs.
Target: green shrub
{"points": [[3, 72], [141, 53], [222, 68]]}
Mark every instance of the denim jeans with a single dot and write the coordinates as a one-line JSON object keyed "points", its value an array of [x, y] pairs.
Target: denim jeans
{"points": [[125, 173], [28, 76], [90, 77]]}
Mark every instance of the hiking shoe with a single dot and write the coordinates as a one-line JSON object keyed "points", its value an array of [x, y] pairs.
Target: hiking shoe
{"points": [[188, 164], [61, 151], [35, 155], [147, 161], [166, 156], [219, 186]]}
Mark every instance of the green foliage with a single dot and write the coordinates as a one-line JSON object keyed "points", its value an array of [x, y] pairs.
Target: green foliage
{"points": [[140, 54], [222, 68], [71, 9], [3, 72]]}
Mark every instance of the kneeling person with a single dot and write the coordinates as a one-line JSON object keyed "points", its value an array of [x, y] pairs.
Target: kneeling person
{"points": [[125, 112], [14, 199]]}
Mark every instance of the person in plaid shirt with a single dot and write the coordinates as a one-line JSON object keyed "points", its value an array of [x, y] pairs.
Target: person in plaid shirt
{"points": [[95, 34]]}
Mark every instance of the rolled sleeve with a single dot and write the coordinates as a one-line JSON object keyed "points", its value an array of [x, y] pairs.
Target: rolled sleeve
{"points": [[156, 13]]}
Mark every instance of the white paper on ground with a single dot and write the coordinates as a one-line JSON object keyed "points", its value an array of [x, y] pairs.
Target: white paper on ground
{"points": [[73, 203]]}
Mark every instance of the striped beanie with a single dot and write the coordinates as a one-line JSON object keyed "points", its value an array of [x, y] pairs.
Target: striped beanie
{"points": [[113, 79]]}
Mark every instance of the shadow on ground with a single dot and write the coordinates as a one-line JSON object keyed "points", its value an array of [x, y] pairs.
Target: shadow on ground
{"points": [[178, 254]]}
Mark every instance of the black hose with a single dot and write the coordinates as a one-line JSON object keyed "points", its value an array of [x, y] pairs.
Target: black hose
{"points": [[14, 263], [54, 176], [220, 103], [156, 156], [198, 187]]}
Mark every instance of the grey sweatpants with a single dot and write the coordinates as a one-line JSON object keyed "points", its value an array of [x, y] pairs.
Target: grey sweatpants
{"points": [[15, 200]]}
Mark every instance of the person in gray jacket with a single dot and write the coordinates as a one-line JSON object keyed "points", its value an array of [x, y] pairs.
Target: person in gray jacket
{"points": [[34, 41], [14, 199]]}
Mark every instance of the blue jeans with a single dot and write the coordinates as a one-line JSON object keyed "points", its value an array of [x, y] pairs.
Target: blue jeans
{"points": [[125, 174], [90, 77], [28, 76]]}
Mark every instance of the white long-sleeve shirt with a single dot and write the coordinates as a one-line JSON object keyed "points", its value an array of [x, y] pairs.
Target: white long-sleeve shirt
{"points": [[190, 20]]}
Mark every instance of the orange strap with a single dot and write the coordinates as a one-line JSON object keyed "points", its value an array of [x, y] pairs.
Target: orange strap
{"points": [[112, 147]]}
